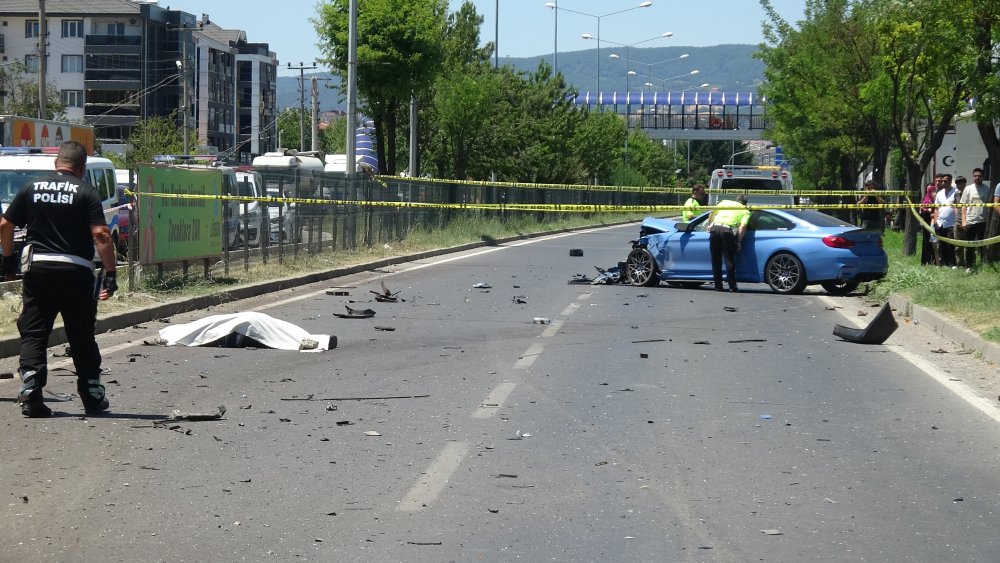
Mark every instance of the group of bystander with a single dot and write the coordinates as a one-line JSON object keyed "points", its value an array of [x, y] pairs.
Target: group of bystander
{"points": [[956, 211]]}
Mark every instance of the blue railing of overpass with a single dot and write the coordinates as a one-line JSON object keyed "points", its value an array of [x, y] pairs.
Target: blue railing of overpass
{"points": [[683, 110]]}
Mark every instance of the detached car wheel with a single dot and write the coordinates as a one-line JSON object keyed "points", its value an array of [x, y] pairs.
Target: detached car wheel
{"points": [[785, 274], [840, 287], [640, 268]]}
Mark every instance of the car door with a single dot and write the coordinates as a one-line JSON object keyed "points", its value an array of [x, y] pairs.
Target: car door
{"points": [[685, 254], [766, 232]]}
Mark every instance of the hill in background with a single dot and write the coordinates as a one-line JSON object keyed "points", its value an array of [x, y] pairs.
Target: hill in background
{"points": [[729, 68]]}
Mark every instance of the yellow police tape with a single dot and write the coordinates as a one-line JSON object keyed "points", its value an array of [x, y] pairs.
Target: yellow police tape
{"points": [[383, 180], [952, 241], [563, 207]]}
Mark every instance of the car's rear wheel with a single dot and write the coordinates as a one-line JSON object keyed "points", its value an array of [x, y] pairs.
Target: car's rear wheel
{"points": [[840, 287], [785, 273], [640, 268]]}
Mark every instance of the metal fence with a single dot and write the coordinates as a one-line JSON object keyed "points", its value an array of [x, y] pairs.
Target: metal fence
{"points": [[329, 212]]}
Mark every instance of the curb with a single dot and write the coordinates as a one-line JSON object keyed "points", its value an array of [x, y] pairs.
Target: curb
{"points": [[946, 327], [11, 346]]}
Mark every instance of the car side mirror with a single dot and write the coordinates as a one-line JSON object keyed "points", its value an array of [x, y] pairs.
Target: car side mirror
{"points": [[683, 226]]}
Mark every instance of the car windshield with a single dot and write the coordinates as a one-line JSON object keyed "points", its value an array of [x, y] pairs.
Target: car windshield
{"points": [[818, 219], [12, 181]]}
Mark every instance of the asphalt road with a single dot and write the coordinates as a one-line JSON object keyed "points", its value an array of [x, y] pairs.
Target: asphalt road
{"points": [[640, 424]]}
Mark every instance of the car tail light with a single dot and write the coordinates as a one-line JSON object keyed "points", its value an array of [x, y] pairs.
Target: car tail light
{"points": [[836, 241]]}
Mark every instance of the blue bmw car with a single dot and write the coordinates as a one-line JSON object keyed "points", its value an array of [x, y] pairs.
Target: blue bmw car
{"points": [[786, 249]]}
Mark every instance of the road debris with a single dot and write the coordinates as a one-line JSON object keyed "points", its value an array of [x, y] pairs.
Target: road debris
{"points": [[372, 433], [541, 320], [176, 415], [747, 340], [355, 313], [385, 296], [519, 299], [385, 328], [773, 532], [481, 285], [877, 331], [338, 292], [576, 252]]}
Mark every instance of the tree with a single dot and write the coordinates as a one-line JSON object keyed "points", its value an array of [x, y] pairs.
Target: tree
{"points": [[922, 79], [400, 52], [289, 124], [813, 76], [19, 91], [153, 136]]}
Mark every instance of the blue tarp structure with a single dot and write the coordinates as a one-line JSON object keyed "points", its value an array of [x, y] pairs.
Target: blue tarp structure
{"points": [[669, 98]]}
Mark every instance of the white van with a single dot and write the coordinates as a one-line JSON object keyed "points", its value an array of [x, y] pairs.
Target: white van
{"points": [[757, 179], [19, 165]]}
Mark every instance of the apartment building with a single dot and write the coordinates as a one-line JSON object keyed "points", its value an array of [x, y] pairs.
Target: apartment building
{"points": [[116, 62]]}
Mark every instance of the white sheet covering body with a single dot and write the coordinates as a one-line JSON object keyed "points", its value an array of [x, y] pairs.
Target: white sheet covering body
{"points": [[269, 331]]}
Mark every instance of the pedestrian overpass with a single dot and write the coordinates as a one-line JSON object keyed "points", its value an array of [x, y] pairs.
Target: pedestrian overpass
{"points": [[713, 116]]}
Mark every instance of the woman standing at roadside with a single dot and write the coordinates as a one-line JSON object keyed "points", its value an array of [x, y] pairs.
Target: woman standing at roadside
{"points": [[927, 243]]}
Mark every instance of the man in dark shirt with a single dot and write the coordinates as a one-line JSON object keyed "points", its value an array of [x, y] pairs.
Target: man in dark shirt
{"points": [[64, 220]]}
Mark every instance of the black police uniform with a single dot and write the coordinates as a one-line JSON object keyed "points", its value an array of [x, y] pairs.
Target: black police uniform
{"points": [[58, 211]]}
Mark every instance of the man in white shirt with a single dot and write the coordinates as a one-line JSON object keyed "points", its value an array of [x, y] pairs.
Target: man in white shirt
{"points": [[943, 219], [973, 213]]}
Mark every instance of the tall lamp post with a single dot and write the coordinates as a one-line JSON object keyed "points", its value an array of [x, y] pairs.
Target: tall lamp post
{"points": [[182, 73], [598, 17], [628, 63], [649, 66]]}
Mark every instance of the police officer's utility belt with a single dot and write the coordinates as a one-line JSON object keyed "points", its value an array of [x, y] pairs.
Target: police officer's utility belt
{"points": [[723, 228], [64, 258]]}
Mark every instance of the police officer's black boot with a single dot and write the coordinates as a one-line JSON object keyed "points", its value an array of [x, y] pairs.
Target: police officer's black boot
{"points": [[95, 400], [30, 396]]}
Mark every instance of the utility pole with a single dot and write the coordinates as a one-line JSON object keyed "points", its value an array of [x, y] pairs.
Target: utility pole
{"points": [[315, 114], [352, 85], [302, 101], [42, 60], [182, 68]]}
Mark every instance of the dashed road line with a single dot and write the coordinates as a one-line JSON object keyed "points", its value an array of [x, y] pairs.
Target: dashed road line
{"points": [[434, 478], [492, 403]]}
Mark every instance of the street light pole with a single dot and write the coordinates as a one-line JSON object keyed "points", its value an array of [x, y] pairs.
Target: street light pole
{"points": [[554, 6]]}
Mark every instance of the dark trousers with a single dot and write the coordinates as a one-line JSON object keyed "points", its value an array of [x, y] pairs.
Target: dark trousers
{"points": [[49, 289], [946, 252], [926, 246], [974, 231], [722, 243]]}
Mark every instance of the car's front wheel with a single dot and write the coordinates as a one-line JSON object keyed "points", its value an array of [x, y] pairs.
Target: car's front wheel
{"points": [[785, 273], [640, 268], [840, 287]]}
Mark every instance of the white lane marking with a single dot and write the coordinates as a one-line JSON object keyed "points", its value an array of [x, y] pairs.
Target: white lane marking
{"points": [[496, 398], [959, 388], [584, 296], [433, 481], [529, 356], [552, 329], [570, 309]]}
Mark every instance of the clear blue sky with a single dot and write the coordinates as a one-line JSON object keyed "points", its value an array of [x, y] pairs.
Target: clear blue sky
{"points": [[526, 26]]}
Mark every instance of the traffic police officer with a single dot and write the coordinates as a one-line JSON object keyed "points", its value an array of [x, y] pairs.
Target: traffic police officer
{"points": [[64, 220], [692, 207], [727, 225]]}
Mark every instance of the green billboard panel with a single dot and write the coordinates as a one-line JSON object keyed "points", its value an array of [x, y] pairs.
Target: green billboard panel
{"points": [[180, 213]]}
